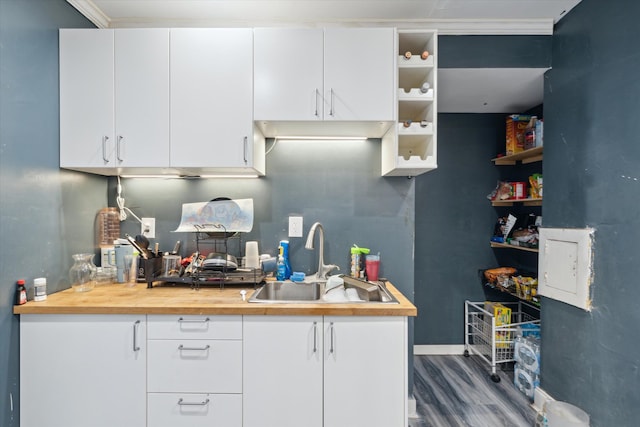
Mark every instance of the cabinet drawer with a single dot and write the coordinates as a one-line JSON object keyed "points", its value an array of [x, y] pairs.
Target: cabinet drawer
{"points": [[194, 366], [194, 410], [194, 327]]}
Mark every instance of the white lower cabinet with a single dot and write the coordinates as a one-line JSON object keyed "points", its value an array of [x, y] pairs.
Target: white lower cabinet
{"points": [[194, 370], [214, 371], [328, 371], [282, 383], [82, 370]]}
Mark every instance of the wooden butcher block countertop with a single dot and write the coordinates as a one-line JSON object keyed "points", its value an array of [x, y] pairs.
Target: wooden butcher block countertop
{"points": [[138, 299]]}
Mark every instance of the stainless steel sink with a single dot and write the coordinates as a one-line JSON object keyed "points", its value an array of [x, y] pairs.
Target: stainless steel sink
{"points": [[288, 292], [300, 293]]}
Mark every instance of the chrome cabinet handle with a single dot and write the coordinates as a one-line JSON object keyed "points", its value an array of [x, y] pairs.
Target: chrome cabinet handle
{"points": [[118, 148], [181, 348], [104, 148], [182, 320], [245, 149], [316, 104], [315, 337], [181, 402], [331, 105], [136, 324], [331, 349]]}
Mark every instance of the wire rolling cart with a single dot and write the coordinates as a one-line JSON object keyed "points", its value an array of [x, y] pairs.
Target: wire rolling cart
{"points": [[491, 341]]}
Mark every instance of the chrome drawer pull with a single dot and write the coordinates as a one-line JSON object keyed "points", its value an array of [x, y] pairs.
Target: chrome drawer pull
{"points": [[136, 347], [193, 320], [181, 348], [181, 402], [315, 336]]}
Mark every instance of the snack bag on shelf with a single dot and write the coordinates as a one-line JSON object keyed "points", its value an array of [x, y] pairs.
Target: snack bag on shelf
{"points": [[535, 186]]}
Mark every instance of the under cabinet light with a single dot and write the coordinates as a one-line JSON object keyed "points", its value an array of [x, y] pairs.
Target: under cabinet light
{"points": [[150, 176], [320, 138]]}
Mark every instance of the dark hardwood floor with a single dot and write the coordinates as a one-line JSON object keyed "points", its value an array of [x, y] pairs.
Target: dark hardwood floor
{"points": [[456, 391]]}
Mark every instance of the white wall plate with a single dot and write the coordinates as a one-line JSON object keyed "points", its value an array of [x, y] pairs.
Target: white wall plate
{"points": [[565, 265]]}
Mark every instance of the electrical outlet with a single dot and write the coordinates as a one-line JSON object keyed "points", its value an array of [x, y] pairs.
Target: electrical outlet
{"points": [[295, 226], [148, 228]]}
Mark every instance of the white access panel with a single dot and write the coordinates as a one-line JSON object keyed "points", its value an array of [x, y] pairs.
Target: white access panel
{"points": [[565, 265]]}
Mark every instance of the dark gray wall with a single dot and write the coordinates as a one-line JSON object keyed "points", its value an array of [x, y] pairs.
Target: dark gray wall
{"points": [[591, 164], [45, 214], [454, 219]]}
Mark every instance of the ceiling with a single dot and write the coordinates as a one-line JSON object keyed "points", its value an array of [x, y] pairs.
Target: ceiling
{"points": [[461, 90]]}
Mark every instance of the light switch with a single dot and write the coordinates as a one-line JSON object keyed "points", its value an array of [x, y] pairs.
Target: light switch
{"points": [[295, 226]]}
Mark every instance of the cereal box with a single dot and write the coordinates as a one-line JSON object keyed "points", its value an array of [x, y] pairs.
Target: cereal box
{"points": [[502, 317], [516, 126]]}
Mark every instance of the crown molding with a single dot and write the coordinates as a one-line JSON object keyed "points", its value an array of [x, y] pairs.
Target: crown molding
{"points": [[444, 26], [91, 12]]}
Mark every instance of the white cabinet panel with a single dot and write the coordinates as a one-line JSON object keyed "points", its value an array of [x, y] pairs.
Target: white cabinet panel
{"points": [[288, 74], [211, 97], [282, 371], [87, 105], [82, 370], [365, 371], [359, 74], [194, 410], [195, 366], [142, 97]]}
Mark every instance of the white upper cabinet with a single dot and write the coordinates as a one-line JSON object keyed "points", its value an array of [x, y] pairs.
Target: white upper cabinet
{"points": [[212, 99], [343, 75], [359, 74], [87, 134], [288, 74], [114, 99], [142, 97]]}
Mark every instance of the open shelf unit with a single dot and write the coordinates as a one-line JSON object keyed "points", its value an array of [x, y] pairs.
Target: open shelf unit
{"points": [[410, 148], [508, 246]]}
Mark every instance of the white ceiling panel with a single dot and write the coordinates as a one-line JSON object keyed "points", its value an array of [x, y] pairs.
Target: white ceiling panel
{"points": [[489, 90]]}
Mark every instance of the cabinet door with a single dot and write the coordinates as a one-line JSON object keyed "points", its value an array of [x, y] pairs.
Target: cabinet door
{"points": [[82, 370], [86, 98], [142, 97], [288, 73], [359, 73], [365, 371], [282, 381], [211, 73]]}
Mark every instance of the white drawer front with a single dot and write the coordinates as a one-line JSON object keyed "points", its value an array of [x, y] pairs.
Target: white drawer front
{"points": [[194, 410], [194, 366], [194, 327]]}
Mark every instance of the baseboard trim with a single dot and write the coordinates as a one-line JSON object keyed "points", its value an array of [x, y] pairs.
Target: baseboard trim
{"points": [[540, 398], [434, 350], [412, 408]]}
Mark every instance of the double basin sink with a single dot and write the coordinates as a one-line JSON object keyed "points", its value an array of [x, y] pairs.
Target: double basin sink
{"points": [[314, 293]]}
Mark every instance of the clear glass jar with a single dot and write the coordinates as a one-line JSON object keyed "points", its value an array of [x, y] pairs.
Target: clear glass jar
{"points": [[83, 273]]}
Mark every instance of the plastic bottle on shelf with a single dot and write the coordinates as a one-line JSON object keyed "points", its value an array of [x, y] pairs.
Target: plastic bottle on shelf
{"points": [[284, 244], [281, 267], [21, 293]]}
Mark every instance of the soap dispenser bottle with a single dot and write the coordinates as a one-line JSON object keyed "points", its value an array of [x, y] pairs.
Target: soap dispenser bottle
{"points": [[283, 266]]}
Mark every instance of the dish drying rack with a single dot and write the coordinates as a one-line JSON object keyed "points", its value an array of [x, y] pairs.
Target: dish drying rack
{"points": [[199, 276]]}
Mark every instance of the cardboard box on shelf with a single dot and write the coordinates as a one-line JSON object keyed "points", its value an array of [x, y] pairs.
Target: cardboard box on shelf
{"points": [[515, 132], [502, 317]]}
